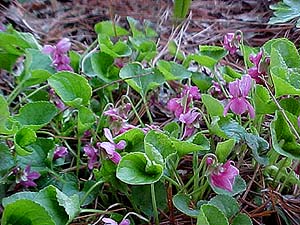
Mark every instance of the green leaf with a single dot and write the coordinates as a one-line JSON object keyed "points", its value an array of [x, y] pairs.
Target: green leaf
{"points": [[158, 145], [224, 149], [211, 215], [23, 138], [135, 27], [239, 186], [214, 52], [291, 105], [102, 64], [70, 204], [262, 101], [4, 113], [283, 140], [134, 140], [13, 44], [86, 119], [74, 60], [213, 106], [227, 204], [38, 157], [7, 61], [174, 51], [202, 81], [285, 11], [117, 50], [143, 80], [136, 169], [146, 48], [37, 68], [197, 143], [183, 203], [241, 219], [7, 160], [181, 8], [72, 88], [26, 212], [36, 114], [145, 203], [227, 128], [172, 70], [173, 129], [109, 28]]}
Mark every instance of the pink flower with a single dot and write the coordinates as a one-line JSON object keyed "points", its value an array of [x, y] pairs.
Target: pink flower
{"points": [[26, 177], [108, 221], [110, 147], [92, 154], [231, 42], [181, 105], [223, 176], [190, 119], [260, 67], [60, 152], [58, 53], [239, 91], [56, 100]]}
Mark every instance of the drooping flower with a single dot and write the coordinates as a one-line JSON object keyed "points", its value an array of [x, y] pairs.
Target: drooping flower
{"points": [[239, 91], [260, 67], [223, 176], [231, 42], [108, 221], [92, 154], [190, 119], [110, 147], [181, 105], [60, 152], [56, 100], [26, 177], [58, 53], [216, 91]]}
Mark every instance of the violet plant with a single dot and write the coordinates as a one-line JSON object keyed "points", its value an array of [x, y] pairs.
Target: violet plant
{"points": [[124, 123]]}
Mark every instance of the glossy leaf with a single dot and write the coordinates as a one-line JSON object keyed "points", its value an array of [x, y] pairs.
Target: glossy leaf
{"points": [[117, 50], [86, 119], [213, 106], [211, 215], [262, 101], [172, 70], [7, 160], [143, 80], [227, 204], [36, 114], [283, 140], [241, 219], [181, 8], [223, 149], [183, 203], [137, 169], [23, 138], [134, 140], [72, 88], [109, 28]]}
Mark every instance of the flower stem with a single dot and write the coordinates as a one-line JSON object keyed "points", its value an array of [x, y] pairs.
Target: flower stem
{"points": [[15, 92], [155, 212], [89, 191], [78, 154], [147, 110]]}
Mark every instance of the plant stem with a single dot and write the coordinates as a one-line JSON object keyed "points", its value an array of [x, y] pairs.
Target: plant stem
{"points": [[15, 92], [89, 191], [134, 111], [155, 212], [279, 169], [243, 48], [78, 154], [147, 110]]}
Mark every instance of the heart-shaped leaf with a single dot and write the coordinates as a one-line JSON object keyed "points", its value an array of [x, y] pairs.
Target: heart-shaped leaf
{"points": [[72, 88], [23, 138], [137, 169], [211, 215], [173, 71]]}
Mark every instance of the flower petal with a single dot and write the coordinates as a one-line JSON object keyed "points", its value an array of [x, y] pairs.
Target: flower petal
{"points": [[108, 135], [108, 147], [121, 145], [239, 105], [245, 85], [234, 88]]}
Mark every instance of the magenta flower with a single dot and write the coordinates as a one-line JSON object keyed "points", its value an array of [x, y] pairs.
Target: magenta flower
{"points": [[110, 147], [58, 53], [150, 127], [260, 67], [223, 176], [231, 42], [92, 154], [2, 27], [239, 91], [181, 105], [60, 152], [56, 100], [26, 177], [190, 119], [108, 221]]}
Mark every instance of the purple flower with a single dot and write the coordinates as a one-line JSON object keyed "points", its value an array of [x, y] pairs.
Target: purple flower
{"points": [[108, 221], [110, 147], [181, 105], [298, 121], [150, 127], [56, 100], [2, 27], [58, 53], [239, 91], [26, 177], [190, 119], [260, 67], [217, 91], [223, 176], [92, 154], [60, 152], [231, 42]]}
